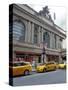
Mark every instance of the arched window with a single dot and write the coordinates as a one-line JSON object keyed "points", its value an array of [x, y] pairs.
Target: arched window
{"points": [[60, 43], [46, 39], [18, 31]]}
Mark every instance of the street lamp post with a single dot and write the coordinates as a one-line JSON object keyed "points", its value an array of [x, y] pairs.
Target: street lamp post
{"points": [[43, 53]]}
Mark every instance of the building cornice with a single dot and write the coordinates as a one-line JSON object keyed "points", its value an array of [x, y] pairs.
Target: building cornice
{"points": [[49, 24], [30, 45]]}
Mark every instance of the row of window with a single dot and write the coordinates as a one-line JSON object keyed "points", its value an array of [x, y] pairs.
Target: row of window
{"points": [[19, 31]]}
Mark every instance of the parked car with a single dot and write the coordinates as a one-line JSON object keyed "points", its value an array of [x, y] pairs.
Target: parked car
{"points": [[20, 68], [46, 67], [62, 65]]}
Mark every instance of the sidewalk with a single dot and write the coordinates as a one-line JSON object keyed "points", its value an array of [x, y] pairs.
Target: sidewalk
{"points": [[33, 71]]}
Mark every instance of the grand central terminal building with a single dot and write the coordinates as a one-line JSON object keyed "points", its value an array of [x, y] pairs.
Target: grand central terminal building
{"points": [[30, 32]]}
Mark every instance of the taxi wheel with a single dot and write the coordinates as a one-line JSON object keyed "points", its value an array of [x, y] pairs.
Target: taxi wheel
{"points": [[44, 69], [26, 72], [64, 67]]}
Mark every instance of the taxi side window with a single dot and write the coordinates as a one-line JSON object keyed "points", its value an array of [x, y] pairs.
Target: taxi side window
{"points": [[15, 64], [20, 64], [47, 63]]}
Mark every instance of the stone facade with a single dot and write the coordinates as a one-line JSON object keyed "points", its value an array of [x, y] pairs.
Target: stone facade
{"points": [[27, 49]]}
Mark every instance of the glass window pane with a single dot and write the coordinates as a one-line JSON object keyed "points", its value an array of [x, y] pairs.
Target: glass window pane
{"points": [[18, 31], [35, 33], [46, 39]]}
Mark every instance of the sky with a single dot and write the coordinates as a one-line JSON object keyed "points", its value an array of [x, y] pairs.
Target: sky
{"points": [[60, 13]]}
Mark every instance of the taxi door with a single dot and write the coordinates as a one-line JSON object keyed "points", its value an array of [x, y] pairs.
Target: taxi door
{"points": [[48, 66]]}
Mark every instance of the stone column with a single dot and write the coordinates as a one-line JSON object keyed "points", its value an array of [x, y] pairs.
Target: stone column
{"points": [[26, 34], [39, 35], [42, 35], [53, 41], [32, 33], [56, 42], [29, 31], [50, 40]]}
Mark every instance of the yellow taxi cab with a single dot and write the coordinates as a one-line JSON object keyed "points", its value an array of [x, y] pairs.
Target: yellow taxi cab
{"points": [[62, 66], [46, 67], [20, 68]]}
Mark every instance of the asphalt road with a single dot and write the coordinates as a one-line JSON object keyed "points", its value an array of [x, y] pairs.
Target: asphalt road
{"points": [[53, 77]]}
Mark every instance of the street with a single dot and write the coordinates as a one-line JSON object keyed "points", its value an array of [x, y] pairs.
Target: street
{"points": [[52, 77]]}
